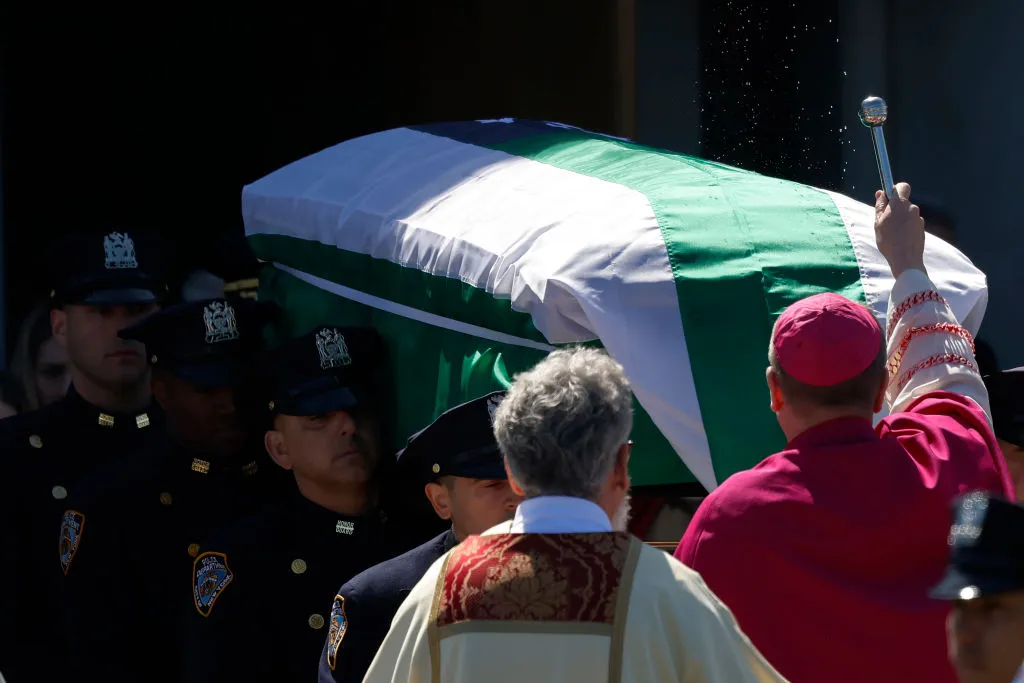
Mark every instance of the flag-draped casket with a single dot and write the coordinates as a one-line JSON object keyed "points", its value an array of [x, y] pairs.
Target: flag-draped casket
{"points": [[476, 247]]}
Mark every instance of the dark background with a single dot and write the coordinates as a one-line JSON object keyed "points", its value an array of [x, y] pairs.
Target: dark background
{"points": [[155, 120]]}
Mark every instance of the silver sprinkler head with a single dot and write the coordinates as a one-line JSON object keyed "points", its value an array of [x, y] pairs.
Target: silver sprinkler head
{"points": [[873, 111]]}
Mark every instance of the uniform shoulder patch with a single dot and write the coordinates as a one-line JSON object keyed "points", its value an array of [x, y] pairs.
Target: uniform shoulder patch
{"points": [[210, 576], [70, 536], [339, 625]]}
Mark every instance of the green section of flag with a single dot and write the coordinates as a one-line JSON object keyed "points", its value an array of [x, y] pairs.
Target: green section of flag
{"points": [[742, 247], [435, 368], [447, 297]]}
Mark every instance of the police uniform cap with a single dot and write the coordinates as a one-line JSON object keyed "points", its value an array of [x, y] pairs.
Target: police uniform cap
{"points": [[111, 268], [987, 549], [328, 369], [204, 342], [1006, 398], [460, 442]]}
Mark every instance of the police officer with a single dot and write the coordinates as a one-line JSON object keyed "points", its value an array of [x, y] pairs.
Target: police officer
{"points": [[457, 456], [985, 582], [147, 516], [1006, 397], [101, 284], [261, 587]]}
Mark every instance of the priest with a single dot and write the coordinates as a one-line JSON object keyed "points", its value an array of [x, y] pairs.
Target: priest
{"points": [[558, 594], [844, 531]]}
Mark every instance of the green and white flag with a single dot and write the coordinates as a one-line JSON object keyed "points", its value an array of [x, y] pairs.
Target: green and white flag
{"points": [[476, 247]]}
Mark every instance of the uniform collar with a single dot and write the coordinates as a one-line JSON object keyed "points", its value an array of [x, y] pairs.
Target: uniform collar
{"points": [[838, 432], [202, 465], [90, 414], [313, 519], [448, 540]]}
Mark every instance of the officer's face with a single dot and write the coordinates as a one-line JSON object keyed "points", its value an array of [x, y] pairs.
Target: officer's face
{"points": [[338, 447], [986, 637], [205, 420], [473, 505], [89, 333]]}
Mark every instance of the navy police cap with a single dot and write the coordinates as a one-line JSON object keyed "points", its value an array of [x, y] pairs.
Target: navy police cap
{"points": [[987, 549], [460, 442], [108, 269], [326, 370], [206, 342]]}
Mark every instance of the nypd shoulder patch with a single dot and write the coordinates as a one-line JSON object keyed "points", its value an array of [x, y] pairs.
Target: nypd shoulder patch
{"points": [[70, 536], [210, 576], [339, 625]]}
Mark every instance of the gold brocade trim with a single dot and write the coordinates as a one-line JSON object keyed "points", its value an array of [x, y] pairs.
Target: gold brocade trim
{"points": [[105, 420], [622, 611], [200, 466], [557, 628], [433, 632]]}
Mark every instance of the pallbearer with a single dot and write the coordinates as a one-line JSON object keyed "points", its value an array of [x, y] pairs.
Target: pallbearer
{"points": [[101, 283], [464, 478], [985, 583], [147, 515], [262, 589]]}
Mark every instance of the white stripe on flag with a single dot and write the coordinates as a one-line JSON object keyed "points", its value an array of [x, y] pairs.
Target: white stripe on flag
{"points": [[413, 313], [963, 285]]}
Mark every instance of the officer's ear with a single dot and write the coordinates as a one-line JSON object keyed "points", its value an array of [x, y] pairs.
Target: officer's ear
{"points": [[277, 449], [440, 498], [59, 326]]}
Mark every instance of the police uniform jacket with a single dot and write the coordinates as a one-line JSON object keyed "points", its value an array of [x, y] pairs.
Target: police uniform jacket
{"points": [[127, 545], [364, 607], [44, 456], [460, 442], [262, 590]]}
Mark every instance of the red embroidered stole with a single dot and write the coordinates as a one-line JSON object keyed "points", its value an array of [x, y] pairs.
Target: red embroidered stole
{"points": [[536, 578]]}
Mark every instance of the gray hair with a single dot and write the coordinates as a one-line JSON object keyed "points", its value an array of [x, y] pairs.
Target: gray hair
{"points": [[562, 423]]}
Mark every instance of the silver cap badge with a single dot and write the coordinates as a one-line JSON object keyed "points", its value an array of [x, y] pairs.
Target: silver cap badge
{"points": [[221, 324], [332, 348], [119, 251]]}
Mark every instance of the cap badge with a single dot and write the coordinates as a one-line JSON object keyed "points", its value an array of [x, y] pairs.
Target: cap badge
{"points": [[120, 251], [333, 349], [970, 515], [221, 324], [492, 406]]}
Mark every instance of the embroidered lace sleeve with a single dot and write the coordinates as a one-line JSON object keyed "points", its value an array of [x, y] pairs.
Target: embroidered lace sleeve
{"points": [[928, 349]]}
